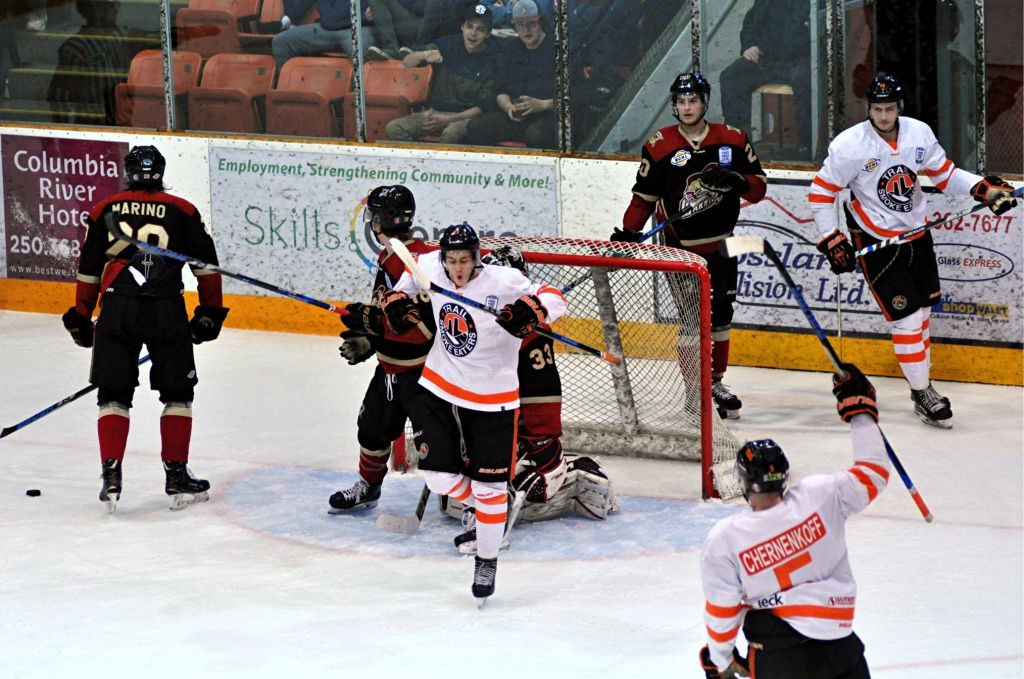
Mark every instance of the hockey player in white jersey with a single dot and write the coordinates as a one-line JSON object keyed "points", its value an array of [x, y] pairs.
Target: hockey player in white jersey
{"points": [[465, 415], [781, 572], [880, 160]]}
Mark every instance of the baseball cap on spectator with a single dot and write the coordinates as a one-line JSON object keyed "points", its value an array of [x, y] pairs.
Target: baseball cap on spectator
{"points": [[476, 11], [524, 9]]}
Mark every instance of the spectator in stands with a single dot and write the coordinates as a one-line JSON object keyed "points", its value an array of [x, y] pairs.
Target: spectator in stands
{"points": [[775, 44], [90, 64], [332, 33], [502, 11], [36, 20], [406, 25], [466, 68], [526, 87]]}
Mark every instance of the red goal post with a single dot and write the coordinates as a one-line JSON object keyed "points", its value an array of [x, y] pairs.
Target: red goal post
{"points": [[650, 305]]}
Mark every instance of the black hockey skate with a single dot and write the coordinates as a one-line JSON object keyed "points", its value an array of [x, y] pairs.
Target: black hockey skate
{"points": [[184, 488], [111, 491], [726, 402], [360, 496], [932, 408], [484, 573]]}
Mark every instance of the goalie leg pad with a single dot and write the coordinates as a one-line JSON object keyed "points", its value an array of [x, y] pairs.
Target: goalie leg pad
{"points": [[541, 469], [595, 498]]}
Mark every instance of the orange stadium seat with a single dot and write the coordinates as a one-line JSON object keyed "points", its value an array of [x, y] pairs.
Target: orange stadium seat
{"points": [[230, 93], [307, 99], [140, 101], [392, 91], [212, 26]]}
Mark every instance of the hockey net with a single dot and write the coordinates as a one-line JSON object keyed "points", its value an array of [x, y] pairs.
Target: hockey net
{"points": [[650, 305]]}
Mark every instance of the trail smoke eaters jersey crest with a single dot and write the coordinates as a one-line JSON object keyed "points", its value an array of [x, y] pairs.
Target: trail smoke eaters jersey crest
{"points": [[884, 179], [398, 353], [155, 217], [473, 361], [791, 559], [670, 166]]}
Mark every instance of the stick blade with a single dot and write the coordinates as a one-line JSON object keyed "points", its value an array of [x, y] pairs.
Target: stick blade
{"points": [[398, 247], [393, 523], [734, 246], [7, 430]]}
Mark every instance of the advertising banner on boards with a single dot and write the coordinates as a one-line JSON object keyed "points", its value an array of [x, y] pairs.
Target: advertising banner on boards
{"points": [[979, 258], [49, 186], [296, 218]]}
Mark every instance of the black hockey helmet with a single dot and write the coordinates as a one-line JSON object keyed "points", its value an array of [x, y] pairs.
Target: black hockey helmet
{"points": [[689, 83], [392, 207], [506, 255], [762, 467], [460, 237], [885, 88], [144, 167]]}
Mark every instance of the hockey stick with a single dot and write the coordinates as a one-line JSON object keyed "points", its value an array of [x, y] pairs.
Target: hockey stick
{"points": [[740, 245], [903, 237], [405, 524], [121, 234], [410, 264], [59, 404]]}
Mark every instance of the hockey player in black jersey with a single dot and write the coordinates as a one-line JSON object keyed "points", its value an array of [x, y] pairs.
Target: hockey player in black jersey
{"points": [[702, 170], [142, 304], [388, 214]]}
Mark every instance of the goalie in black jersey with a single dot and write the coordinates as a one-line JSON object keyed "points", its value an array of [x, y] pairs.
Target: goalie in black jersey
{"points": [[547, 482], [142, 304]]}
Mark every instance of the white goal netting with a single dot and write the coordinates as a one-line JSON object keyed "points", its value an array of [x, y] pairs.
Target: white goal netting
{"points": [[649, 305]]}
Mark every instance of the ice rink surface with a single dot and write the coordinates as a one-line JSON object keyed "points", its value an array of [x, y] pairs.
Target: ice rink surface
{"points": [[261, 582]]}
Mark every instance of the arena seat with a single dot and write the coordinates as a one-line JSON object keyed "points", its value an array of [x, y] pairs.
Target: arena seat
{"points": [[212, 26], [392, 91], [308, 97], [140, 101], [231, 92]]}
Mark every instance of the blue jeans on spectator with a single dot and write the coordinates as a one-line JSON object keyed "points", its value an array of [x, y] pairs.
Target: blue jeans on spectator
{"points": [[313, 40]]}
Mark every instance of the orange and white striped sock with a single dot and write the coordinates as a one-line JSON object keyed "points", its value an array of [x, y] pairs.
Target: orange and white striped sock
{"points": [[491, 500], [911, 342]]}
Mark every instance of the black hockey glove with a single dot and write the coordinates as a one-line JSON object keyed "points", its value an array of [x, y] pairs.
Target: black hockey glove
{"points": [[401, 311], [367, 319], [79, 327], [841, 255], [625, 236], [737, 668], [355, 348], [854, 393], [995, 188], [206, 323], [523, 316], [714, 177]]}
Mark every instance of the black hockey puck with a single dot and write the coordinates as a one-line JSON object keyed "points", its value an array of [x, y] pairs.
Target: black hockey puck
{"points": [[34, 492]]}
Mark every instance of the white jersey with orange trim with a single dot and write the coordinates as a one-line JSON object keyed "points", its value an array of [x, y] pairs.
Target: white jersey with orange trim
{"points": [[791, 559], [473, 360], [887, 196]]}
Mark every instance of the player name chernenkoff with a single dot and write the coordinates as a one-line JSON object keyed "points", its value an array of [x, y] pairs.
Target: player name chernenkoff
{"points": [[775, 550]]}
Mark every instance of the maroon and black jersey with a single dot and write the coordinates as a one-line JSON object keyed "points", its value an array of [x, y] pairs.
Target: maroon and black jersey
{"points": [[670, 166], [119, 268], [398, 353]]}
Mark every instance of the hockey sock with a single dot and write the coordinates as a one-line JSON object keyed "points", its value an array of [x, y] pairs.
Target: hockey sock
{"points": [[455, 486], [373, 465], [908, 341], [112, 428], [719, 351], [175, 432], [926, 336], [491, 501]]}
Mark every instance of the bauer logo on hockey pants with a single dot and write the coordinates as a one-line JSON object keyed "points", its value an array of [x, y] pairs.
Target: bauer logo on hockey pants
{"points": [[457, 329]]}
